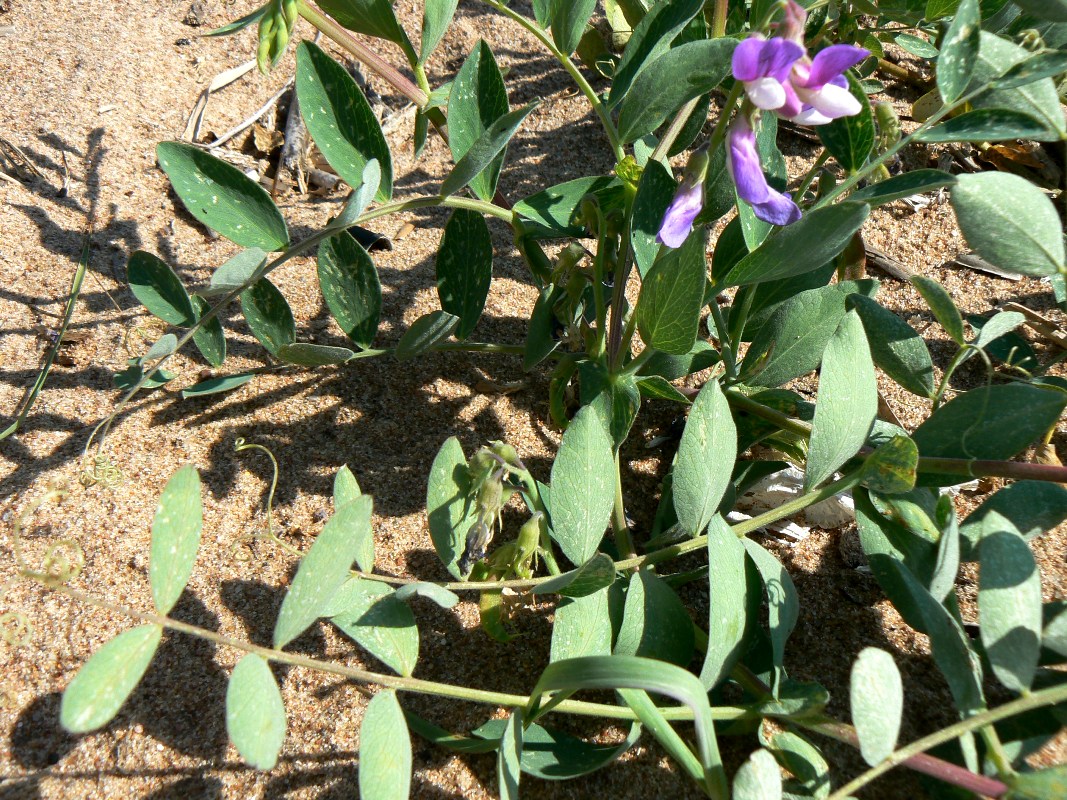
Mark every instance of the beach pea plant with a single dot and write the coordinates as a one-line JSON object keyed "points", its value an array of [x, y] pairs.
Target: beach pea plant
{"points": [[633, 295]]}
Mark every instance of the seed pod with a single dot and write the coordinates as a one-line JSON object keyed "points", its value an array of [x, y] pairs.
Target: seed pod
{"points": [[290, 13], [266, 39]]}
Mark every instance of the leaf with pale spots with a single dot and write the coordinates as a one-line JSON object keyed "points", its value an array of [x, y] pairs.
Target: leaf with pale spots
{"points": [[340, 119], [222, 197], [175, 537]]}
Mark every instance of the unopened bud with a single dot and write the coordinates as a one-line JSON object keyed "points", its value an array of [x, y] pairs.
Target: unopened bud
{"points": [[506, 452], [491, 496], [696, 170], [888, 125], [589, 209], [531, 532], [290, 13], [266, 40]]}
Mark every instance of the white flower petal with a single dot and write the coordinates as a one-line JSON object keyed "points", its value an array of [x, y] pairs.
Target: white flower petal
{"points": [[834, 101], [765, 93]]}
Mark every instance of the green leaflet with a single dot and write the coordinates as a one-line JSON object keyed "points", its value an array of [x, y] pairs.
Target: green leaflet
{"points": [[384, 750], [97, 692], [465, 268], [582, 486], [349, 283], [324, 568], [477, 100], [222, 197], [339, 117], [255, 715], [876, 697], [175, 537]]}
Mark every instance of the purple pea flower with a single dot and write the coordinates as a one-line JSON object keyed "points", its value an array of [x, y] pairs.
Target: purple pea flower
{"points": [[764, 66], [688, 201], [817, 91], [678, 221], [742, 161]]}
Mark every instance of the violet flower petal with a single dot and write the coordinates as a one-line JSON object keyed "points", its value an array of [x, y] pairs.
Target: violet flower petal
{"points": [[744, 166], [778, 210], [678, 221], [832, 62], [756, 58]]}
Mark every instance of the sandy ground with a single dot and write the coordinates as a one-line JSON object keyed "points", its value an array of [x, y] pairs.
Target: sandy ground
{"points": [[102, 83]]}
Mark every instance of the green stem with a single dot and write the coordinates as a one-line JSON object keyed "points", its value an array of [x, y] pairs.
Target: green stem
{"points": [[1045, 697], [415, 685], [620, 528], [719, 14], [726, 347], [583, 85], [618, 296], [365, 55], [481, 347], [824, 156], [598, 287]]}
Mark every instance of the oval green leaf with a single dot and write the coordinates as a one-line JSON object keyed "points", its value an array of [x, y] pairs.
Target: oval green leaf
{"points": [[758, 778], [339, 117], [680, 74], [848, 402], [209, 338], [582, 627], [345, 487], [582, 486], [1010, 223], [895, 346], [1009, 606], [222, 197], [104, 682], [485, 149], [672, 294], [370, 613], [801, 247], [384, 750], [268, 315], [876, 695], [159, 289], [478, 99], [727, 603], [448, 507], [706, 456], [465, 268], [175, 537], [425, 332], [304, 354], [349, 283], [655, 623], [255, 714], [324, 569]]}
